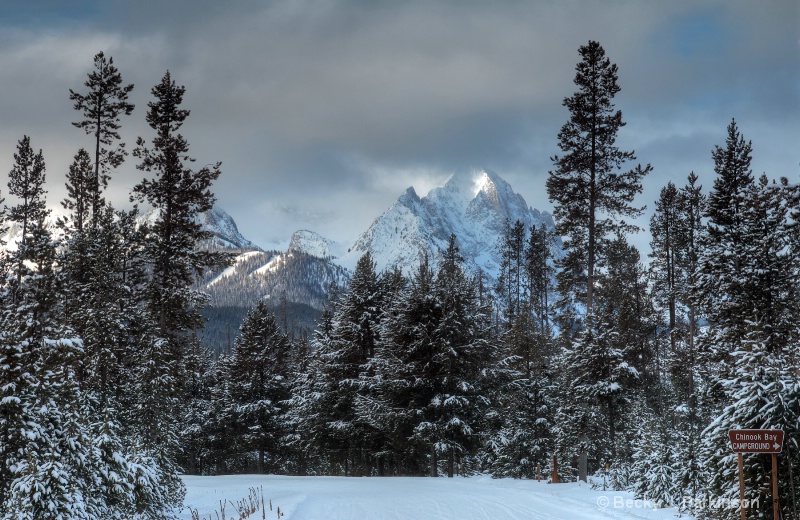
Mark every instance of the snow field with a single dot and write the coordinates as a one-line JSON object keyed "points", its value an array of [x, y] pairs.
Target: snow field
{"points": [[417, 498]]}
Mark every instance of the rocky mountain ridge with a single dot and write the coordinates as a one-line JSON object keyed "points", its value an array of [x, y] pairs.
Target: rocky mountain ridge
{"points": [[474, 205]]}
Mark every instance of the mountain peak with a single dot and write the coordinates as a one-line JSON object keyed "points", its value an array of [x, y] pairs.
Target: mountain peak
{"points": [[473, 204], [409, 197], [225, 233], [311, 243], [468, 184]]}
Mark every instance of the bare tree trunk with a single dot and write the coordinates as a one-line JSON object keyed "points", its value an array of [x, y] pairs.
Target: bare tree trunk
{"points": [[450, 461]]}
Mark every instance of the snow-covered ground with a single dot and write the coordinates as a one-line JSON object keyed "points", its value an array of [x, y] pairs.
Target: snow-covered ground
{"points": [[401, 498]]}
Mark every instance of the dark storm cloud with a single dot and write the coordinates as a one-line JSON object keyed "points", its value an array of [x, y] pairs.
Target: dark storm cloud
{"points": [[334, 107]]}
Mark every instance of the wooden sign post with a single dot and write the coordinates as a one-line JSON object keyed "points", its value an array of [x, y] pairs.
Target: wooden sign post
{"points": [[758, 441], [741, 486], [555, 470]]}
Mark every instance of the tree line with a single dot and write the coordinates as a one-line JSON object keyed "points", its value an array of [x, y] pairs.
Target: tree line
{"points": [[98, 317]]}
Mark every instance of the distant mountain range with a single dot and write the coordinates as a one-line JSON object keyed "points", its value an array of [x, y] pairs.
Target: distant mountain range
{"points": [[473, 205]]}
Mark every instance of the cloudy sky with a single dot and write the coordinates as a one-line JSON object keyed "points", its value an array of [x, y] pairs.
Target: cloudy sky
{"points": [[323, 112]]}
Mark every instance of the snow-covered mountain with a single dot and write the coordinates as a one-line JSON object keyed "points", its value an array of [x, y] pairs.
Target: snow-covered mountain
{"points": [[314, 244], [473, 205], [225, 234]]}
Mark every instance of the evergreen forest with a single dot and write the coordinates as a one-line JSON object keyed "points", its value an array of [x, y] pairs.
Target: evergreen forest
{"points": [[640, 365]]}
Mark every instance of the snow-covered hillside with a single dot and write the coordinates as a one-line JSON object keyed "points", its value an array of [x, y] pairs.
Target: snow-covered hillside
{"points": [[296, 275], [420, 498], [473, 205]]}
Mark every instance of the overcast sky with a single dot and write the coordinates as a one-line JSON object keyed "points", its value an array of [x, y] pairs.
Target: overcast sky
{"points": [[323, 112]]}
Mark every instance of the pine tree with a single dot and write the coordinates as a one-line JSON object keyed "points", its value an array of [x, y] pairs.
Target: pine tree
{"points": [[343, 354], [464, 352], [79, 185], [539, 273], [747, 286], [178, 195], [97, 301], [197, 409], [26, 182], [101, 108], [606, 361], [653, 468], [435, 357], [591, 195], [524, 438], [45, 471], [258, 379], [99, 291], [685, 368], [760, 388], [403, 363], [509, 287], [667, 229], [718, 288]]}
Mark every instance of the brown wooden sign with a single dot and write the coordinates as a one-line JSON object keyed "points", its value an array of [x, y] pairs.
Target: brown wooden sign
{"points": [[756, 441]]}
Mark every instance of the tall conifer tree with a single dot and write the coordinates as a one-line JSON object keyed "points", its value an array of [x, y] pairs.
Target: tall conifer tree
{"points": [[177, 195], [101, 107], [591, 192]]}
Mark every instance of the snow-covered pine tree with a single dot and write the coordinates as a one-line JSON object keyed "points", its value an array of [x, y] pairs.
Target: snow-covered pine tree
{"points": [[196, 410], [595, 380], [719, 290], [258, 379], [44, 436], [97, 302], [465, 351], [102, 309], [628, 306], [219, 454], [606, 362], [524, 438], [101, 276], [402, 367], [654, 458], [435, 352], [684, 366], [177, 194], [759, 387], [342, 354]]}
